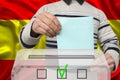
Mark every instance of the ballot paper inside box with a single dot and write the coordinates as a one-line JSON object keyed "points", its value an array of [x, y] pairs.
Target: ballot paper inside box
{"points": [[43, 65]]}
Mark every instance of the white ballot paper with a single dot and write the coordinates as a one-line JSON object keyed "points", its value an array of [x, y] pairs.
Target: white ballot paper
{"points": [[76, 33]]}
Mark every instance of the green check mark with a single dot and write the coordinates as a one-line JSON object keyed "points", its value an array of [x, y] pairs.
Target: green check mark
{"points": [[62, 72]]}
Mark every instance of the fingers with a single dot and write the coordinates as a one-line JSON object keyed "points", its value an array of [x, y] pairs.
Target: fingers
{"points": [[110, 61], [47, 29], [101, 61], [111, 66], [54, 19], [47, 24]]}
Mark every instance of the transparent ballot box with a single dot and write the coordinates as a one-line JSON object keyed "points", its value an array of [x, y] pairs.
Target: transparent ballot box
{"points": [[53, 64]]}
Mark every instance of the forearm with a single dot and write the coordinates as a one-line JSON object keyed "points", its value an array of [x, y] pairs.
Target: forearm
{"points": [[110, 46], [26, 39]]}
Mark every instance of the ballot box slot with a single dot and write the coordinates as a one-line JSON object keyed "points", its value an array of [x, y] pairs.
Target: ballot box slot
{"points": [[61, 57]]}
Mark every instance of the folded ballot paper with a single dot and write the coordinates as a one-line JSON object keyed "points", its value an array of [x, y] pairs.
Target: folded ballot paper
{"points": [[76, 33]]}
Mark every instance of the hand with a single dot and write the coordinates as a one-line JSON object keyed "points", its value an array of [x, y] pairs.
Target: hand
{"points": [[46, 24], [110, 61]]}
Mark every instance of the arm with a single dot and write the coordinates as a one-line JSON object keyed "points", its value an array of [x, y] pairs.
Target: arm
{"points": [[109, 42], [42, 23]]}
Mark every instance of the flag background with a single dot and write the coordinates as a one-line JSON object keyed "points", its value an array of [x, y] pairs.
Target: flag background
{"points": [[14, 14]]}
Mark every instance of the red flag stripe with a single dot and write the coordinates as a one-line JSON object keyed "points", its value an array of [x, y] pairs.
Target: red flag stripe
{"points": [[5, 69], [110, 7], [20, 9], [25, 9]]}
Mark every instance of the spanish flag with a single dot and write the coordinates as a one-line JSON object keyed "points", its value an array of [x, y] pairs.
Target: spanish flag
{"points": [[14, 14]]}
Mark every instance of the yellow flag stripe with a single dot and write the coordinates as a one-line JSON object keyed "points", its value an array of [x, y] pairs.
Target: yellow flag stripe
{"points": [[115, 24], [9, 37]]}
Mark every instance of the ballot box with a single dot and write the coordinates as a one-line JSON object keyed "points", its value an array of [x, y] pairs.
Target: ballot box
{"points": [[54, 64]]}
